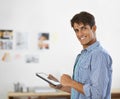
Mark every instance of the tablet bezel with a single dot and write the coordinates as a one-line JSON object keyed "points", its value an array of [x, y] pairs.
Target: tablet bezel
{"points": [[40, 75]]}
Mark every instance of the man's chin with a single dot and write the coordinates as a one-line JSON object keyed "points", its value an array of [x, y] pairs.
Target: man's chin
{"points": [[83, 43]]}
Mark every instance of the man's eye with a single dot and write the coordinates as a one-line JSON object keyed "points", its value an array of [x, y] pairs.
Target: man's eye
{"points": [[83, 28], [76, 30]]}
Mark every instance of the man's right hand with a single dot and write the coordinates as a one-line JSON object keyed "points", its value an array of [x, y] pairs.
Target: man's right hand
{"points": [[51, 77], [60, 87]]}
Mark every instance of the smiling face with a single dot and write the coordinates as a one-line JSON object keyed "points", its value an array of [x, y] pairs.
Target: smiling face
{"points": [[85, 34]]}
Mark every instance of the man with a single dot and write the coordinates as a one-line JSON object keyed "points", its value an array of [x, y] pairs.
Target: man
{"points": [[92, 73]]}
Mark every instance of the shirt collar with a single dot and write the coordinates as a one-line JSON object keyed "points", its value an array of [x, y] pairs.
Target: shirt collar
{"points": [[91, 47]]}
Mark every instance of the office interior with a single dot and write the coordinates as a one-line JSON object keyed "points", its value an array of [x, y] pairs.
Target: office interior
{"points": [[23, 54]]}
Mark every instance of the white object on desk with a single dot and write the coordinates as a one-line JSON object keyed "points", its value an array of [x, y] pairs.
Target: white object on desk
{"points": [[44, 89]]}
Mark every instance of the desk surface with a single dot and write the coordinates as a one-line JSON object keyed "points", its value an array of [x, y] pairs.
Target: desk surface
{"points": [[115, 91], [60, 93]]}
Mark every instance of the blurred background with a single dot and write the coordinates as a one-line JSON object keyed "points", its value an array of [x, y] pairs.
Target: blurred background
{"points": [[22, 22]]}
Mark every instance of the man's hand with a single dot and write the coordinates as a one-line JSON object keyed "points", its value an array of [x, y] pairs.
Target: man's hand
{"points": [[60, 87], [66, 80], [51, 77]]}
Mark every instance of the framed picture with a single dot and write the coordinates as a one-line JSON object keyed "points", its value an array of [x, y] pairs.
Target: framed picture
{"points": [[43, 40], [6, 39]]}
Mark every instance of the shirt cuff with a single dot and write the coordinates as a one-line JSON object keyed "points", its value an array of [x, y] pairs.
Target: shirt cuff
{"points": [[86, 89]]}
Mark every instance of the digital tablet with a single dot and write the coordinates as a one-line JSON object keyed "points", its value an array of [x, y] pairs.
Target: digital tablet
{"points": [[45, 78]]}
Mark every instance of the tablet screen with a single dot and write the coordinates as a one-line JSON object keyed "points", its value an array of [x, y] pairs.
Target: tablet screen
{"points": [[45, 78]]}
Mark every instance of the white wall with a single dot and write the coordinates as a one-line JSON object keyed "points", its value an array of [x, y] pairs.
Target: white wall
{"points": [[54, 16]]}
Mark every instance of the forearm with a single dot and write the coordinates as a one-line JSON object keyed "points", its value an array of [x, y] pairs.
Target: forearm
{"points": [[76, 85], [67, 81], [61, 87], [66, 89]]}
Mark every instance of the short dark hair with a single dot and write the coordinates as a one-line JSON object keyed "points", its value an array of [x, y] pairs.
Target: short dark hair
{"points": [[83, 17]]}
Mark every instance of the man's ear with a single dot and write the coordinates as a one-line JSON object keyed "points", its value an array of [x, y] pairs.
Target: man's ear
{"points": [[94, 28]]}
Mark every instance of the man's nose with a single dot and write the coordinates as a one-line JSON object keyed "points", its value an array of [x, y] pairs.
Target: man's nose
{"points": [[79, 33]]}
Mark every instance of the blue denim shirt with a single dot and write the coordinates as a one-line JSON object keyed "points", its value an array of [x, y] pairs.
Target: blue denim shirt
{"points": [[93, 68]]}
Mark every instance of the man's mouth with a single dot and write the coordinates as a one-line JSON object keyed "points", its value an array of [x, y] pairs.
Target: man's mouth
{"points": [[82, 38]]}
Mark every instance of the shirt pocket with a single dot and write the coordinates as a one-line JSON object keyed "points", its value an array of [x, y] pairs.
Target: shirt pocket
{"points": [[84, 72]]}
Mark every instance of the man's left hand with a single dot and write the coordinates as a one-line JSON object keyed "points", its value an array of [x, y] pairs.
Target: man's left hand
{"points": [[66, 80]]}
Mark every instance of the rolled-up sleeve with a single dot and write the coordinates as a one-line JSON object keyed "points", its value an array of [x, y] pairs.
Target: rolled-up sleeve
{"points": [[99, 77]]}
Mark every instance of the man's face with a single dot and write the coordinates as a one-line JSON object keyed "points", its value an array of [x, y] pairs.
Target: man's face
{"points": [[85, 34]]}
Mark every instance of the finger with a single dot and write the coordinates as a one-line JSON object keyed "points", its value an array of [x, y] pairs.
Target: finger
{"points": [[56, 87], [51, 77]]}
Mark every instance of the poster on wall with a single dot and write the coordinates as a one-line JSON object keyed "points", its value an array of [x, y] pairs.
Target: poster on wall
{"points": [[6, 45], [5, 57], [43, 41], [6, 34], [6, 39], [21, 40], [32, 58]]}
